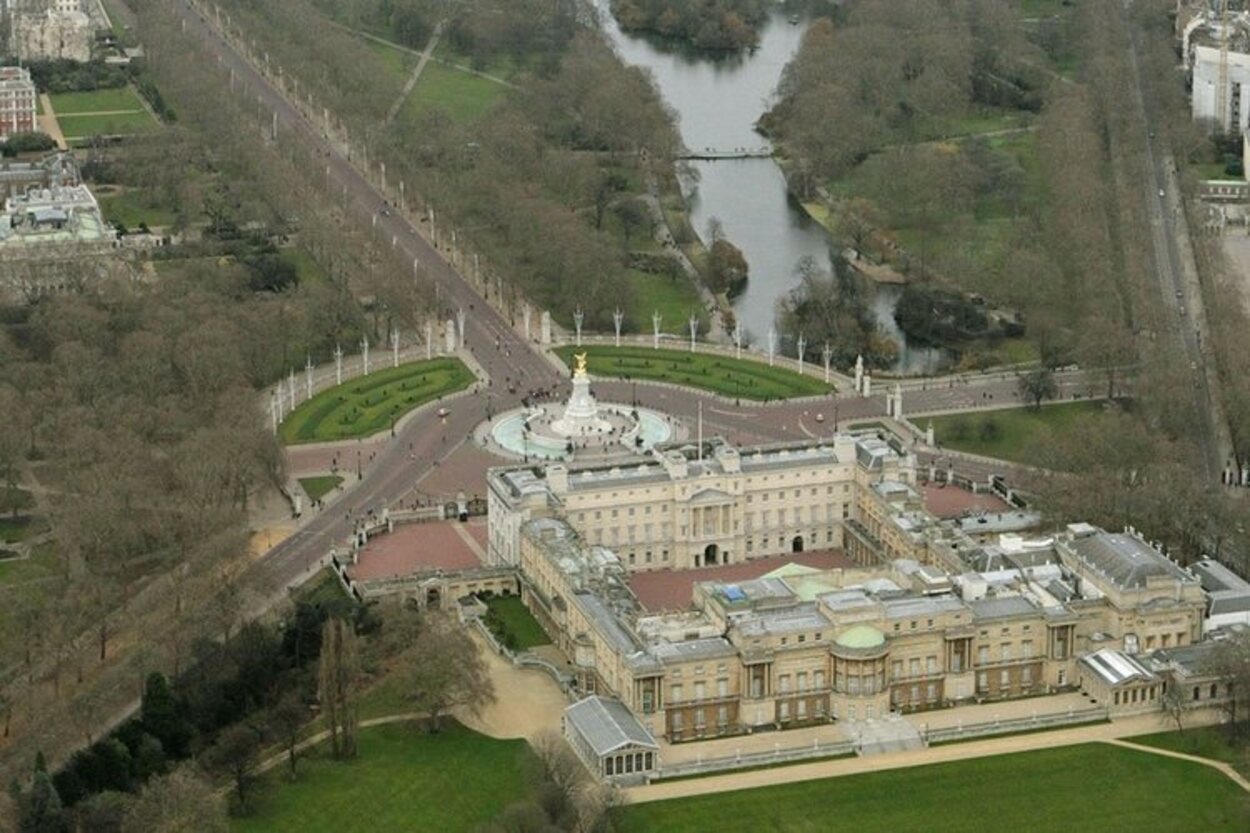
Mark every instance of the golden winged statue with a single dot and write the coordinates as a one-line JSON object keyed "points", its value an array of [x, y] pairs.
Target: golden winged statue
{"points": [[581, 363]]}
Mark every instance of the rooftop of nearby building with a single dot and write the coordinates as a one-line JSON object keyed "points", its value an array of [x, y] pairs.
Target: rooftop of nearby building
{"points": [[683, 462], [1116, 667], [607, 725], [1229, 592], [1123, 558]]}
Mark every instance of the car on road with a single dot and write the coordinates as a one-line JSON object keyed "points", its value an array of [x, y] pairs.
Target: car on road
{"points": [[443, 412], [1182, 310], [1179, 294], [1161, 193]]}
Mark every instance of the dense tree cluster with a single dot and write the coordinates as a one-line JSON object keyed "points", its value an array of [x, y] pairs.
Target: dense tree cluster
{"points": [[828, 309], [727, 25], [891, 72]]}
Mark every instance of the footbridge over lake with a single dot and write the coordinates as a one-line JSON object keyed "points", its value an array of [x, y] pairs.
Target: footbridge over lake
{"points": [[712, 154]]}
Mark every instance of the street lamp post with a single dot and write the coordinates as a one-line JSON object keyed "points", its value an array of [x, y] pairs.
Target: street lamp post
{"points": [[694, 330], [578, 317], [617, 318], [655, 326], [772, 344]]}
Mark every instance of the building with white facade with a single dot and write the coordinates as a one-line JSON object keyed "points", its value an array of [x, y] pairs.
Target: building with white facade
{"points": [[683, 509], [58, 29]]}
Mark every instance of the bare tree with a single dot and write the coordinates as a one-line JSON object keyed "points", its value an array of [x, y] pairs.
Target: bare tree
{"points": [[444, 670], [286, 721], [339, 672], [180, 802]]}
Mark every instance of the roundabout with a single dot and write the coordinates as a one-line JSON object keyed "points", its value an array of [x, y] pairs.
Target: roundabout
{"points": [[580, 427]]}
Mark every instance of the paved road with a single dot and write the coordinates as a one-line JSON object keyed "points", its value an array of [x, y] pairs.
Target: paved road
{"points": [[421, 443], [512, 366], [1176, 276]]}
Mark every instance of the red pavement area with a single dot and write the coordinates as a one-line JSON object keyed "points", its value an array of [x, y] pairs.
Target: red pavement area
{"points": [[954, 502], [464, 470], [673, 589], [415, 548]]}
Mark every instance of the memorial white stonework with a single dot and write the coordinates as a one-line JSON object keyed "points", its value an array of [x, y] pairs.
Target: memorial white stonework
{"points": [[581, 412], [578, 427]]}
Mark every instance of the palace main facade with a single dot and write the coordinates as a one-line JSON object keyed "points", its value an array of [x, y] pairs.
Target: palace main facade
{"points": [[931, 615]]}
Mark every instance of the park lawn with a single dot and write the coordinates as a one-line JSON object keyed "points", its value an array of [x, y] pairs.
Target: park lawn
{"points": [[40, 565], [14, 530], [1090, 787], [396, 60], [366, 405], [515, 620], [95, 101], [402, 779], [500, 65], [307, 270], [464, 97], [132, 207], [119, 124], [1015, 431], [673, 298], [737, 378], [318, 487], [1203, 741]]}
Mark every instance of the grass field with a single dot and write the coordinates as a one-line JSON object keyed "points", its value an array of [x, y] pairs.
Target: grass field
{"points": [[402, 779], [515, 621], [719, 374], [82, 115], [673, 298], [397, 61], [1014, 433], [1092, 787], [318, 487], [96, 101], [41, 564], [117, 124], [1203, 741], [131, 209], [364, 406], [464, 97], [306, 268]]}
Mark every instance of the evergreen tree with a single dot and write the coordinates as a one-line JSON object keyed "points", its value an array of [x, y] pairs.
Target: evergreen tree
{"points": [[162, 717], [39, 809]]}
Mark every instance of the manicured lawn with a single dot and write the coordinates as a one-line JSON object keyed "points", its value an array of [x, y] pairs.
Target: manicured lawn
{"points": [[513, 624], [119, 124], [132, 207], [367, 405], [674, 298], [96, 101], [464, 97], [1092, 787], [402, 779], [1203, 741], [318, 487], [1009, 434], [719, 374]]}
